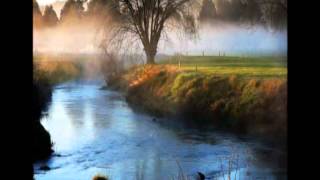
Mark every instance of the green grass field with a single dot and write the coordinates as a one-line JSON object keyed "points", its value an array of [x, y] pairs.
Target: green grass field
{"points": [[259, 67]]}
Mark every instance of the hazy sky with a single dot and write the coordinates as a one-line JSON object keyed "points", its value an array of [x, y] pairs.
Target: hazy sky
{"points": [[45, 2]]}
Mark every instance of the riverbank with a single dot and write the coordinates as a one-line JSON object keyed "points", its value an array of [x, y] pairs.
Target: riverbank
{"points": [[88, 124], [47, 74], [41, 140], [253, 106]]}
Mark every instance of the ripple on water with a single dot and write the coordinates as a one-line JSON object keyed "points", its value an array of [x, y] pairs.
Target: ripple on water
{"points": [[95, 131]]}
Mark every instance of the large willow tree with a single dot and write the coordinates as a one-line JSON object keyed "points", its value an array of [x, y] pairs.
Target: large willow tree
{"points": [[145, 21]]}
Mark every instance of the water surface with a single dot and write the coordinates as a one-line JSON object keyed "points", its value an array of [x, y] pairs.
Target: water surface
{"points": [[95, 132]]}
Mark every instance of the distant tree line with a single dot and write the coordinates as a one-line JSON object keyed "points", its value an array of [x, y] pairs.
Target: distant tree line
{"points": [[265, 12], [272, 13], [73, 12]]}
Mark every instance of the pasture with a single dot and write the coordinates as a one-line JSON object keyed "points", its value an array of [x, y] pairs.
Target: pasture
{"points": [[251, 67]]}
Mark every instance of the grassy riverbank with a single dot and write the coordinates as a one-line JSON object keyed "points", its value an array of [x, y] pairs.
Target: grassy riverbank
{"points": [[253, 104], [46, 74], [54, 72]]}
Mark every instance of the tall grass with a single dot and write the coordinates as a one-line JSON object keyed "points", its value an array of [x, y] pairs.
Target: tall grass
{"points": [[55, 72]]}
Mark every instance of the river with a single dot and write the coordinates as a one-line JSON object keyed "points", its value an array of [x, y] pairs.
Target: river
{"points": [[96, 132]]}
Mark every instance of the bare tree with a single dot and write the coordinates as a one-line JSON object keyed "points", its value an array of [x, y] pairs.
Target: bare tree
{"points": [[145, 21]]}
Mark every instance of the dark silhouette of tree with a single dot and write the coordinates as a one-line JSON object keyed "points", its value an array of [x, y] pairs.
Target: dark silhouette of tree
{"points": [[98, 7], [272, 13], [230, 10], [208, 11], [37, 16], [50, 18], [72, 11], [36, 9], [100, 10], [146, 20], [251, 12]]}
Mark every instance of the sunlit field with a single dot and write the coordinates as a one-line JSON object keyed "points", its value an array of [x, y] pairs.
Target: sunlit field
{"points": [[253, 67]]}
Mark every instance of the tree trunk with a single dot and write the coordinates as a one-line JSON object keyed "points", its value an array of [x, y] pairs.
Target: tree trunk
{"points": [[150, 54], [150, 49], [150, 59]]}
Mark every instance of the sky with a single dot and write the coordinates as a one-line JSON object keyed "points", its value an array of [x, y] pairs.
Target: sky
{"points": [[46, 2]]}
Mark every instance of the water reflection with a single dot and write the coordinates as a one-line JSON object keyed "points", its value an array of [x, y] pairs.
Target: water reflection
{"points": [[95, 131]]}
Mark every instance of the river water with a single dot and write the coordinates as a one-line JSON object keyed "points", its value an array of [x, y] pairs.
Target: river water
{"points": [[96, 132]]}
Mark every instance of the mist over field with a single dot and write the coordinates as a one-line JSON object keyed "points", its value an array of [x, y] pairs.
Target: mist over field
{"points": [[78, 39], [229, 39]]}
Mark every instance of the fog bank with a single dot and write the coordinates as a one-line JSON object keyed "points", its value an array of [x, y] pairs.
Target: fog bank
{"points": [[227, 39]]}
